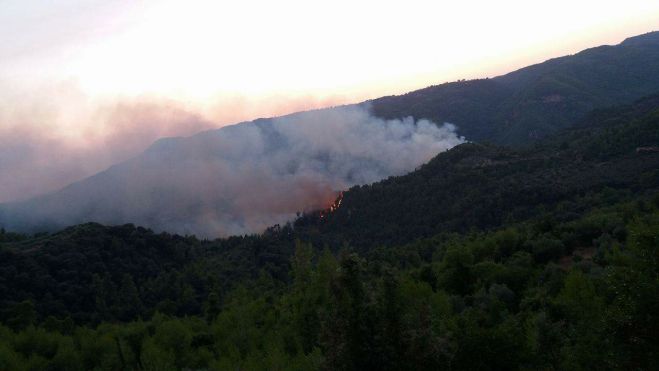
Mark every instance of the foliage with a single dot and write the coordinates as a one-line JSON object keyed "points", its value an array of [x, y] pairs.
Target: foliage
{"points": [[466, 298]]}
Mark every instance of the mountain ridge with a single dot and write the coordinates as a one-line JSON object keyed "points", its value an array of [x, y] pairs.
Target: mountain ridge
{"points": [[540, 99]]}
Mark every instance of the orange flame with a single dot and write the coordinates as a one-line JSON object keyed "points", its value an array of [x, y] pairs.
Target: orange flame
{"points": [[333, 207]]}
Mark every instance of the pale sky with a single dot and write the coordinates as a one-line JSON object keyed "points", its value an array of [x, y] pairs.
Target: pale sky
{"points": [[338, 51]]}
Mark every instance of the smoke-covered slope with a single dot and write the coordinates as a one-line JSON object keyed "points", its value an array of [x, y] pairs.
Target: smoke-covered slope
{"points": [[530, 103], [243, 178]]}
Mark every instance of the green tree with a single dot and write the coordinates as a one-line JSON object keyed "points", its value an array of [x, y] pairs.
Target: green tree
{"points": [[130, 304], [456, 270], [633, 281], [21, 315]]}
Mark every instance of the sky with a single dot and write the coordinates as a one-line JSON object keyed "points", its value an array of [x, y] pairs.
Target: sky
{"points": [[84, 84], [204, 51]]}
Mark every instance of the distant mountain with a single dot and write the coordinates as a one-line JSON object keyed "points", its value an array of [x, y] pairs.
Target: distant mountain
{"points": [[244, 178], [530, 103]]}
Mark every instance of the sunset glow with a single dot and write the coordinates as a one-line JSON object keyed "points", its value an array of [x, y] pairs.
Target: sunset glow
{"points": [[207, 52]]}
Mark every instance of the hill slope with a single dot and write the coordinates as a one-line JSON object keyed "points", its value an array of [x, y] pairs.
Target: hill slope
{"points": [[558, 272]]}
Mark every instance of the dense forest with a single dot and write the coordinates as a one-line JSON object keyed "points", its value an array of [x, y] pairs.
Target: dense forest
{"points": [[537, 295], [485, 258]]}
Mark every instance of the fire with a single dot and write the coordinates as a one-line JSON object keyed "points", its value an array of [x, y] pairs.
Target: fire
{"points": [[333, 207]]}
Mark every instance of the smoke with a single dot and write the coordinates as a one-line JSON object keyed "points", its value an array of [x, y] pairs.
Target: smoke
{"points": [[53, 135], [244, 178]]}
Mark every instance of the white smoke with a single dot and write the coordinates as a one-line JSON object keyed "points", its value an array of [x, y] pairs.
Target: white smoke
{"points": [[53, 133], [244, 178]]}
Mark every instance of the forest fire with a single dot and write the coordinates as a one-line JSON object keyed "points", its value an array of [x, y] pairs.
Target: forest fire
{"points": [[333, 207], [336, 203]]}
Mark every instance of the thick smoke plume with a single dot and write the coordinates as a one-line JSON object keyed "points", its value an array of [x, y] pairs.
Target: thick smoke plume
{"points": [[54, 135], [243, 178]]}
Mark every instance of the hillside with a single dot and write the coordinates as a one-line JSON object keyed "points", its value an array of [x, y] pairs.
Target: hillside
{"points": [[471, 187], [556, 272]]}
